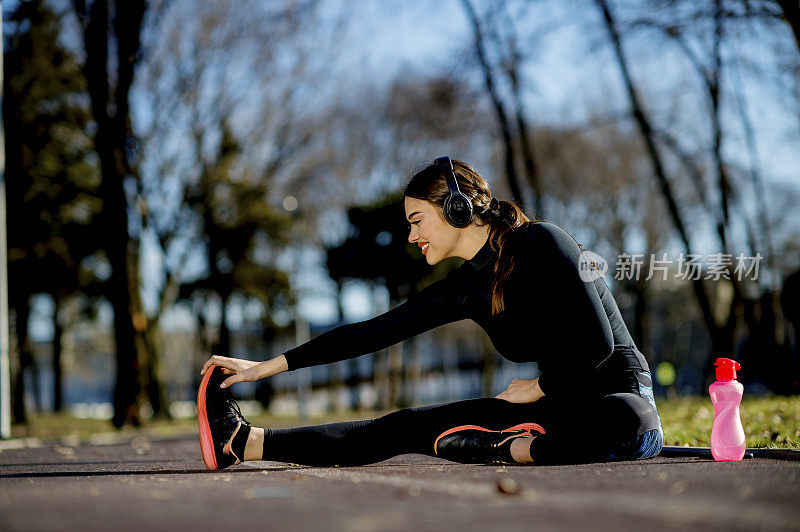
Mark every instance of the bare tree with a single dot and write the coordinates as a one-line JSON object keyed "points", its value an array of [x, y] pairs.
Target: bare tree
{"points": [[231, 134], [648, 136], [501, 112], [710, 73]]}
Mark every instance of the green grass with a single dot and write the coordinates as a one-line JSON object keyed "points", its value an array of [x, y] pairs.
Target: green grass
{"points": [[64, 426], [768, 422]]}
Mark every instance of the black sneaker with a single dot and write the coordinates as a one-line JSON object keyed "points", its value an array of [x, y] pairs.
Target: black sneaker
{"points": [[471, 444], [219, 419]]}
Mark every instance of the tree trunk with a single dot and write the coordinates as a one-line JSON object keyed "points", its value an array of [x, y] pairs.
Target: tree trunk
{"points": [[146, 342], [21, 314], [111, 143], [156, 392], [127, 388], [58, 399], [223, 345]]}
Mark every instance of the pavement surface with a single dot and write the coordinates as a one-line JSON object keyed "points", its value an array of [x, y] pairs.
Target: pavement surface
{"points": [[163, 485]]}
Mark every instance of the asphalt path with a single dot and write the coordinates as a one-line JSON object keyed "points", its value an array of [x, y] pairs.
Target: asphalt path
{"points": [[163, 485]]}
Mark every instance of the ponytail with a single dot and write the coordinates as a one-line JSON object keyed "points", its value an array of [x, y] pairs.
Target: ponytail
{"points": [[502, 220]]}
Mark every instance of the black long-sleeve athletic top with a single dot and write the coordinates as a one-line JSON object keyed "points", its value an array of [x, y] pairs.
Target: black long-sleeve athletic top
{"points": [[551, 316]]}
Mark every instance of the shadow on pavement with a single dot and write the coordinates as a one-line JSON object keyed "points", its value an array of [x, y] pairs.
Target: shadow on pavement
{"points": [[104, 462], [60, 474]]}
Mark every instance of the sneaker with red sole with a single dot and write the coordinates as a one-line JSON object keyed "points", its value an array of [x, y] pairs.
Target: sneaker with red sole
{"points": [[219, 419], [471, 444]]}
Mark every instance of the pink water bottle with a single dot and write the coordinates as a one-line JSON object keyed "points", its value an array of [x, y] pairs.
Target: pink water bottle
{"points": [[727, 434]]}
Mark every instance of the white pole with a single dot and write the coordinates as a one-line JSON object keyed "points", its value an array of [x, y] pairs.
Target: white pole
{"points": [[5, 381], [302, 335], [302, 331]]}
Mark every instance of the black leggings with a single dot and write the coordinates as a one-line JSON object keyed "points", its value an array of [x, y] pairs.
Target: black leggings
{"points": [[617, 426]]}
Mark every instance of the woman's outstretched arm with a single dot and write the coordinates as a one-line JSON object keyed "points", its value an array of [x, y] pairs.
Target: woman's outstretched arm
{"points": [[435, 305]]}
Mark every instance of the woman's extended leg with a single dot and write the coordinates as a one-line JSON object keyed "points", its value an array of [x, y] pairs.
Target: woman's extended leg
{"points": [[576, 432], [410, 430]]}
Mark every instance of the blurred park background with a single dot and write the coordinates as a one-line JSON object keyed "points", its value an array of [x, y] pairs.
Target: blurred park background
{"points": [[192, 177]]}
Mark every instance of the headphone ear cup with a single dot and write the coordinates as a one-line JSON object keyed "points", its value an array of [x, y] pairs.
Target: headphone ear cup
{"points": [[457, 210]]}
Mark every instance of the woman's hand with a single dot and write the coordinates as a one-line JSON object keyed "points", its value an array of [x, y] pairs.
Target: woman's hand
{"points": [[228, 365], [522, 391], [245, 370]]}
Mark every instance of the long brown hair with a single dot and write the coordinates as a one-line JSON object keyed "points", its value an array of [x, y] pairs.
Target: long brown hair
{"points": [[429, 184]]}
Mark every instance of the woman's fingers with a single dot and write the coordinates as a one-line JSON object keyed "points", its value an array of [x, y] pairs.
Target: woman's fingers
{"points": [[228, 365], [212, 361], [233, 379], [248, 375]]}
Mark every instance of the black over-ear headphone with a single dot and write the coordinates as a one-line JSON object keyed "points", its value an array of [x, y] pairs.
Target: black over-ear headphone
{"points": [[457, 207]]}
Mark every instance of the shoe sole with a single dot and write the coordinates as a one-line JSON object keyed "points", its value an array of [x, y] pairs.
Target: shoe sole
{"points": [[206, 441], [521, 426]]}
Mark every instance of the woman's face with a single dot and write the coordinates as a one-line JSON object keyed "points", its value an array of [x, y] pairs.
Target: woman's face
{"points": [[429, 230]]}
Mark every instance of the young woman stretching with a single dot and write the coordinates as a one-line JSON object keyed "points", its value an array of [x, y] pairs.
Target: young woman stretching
{"points": [[520, 282]]}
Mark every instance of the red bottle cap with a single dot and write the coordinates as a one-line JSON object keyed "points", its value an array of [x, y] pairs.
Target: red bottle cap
{"points": [[726, 369]]}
